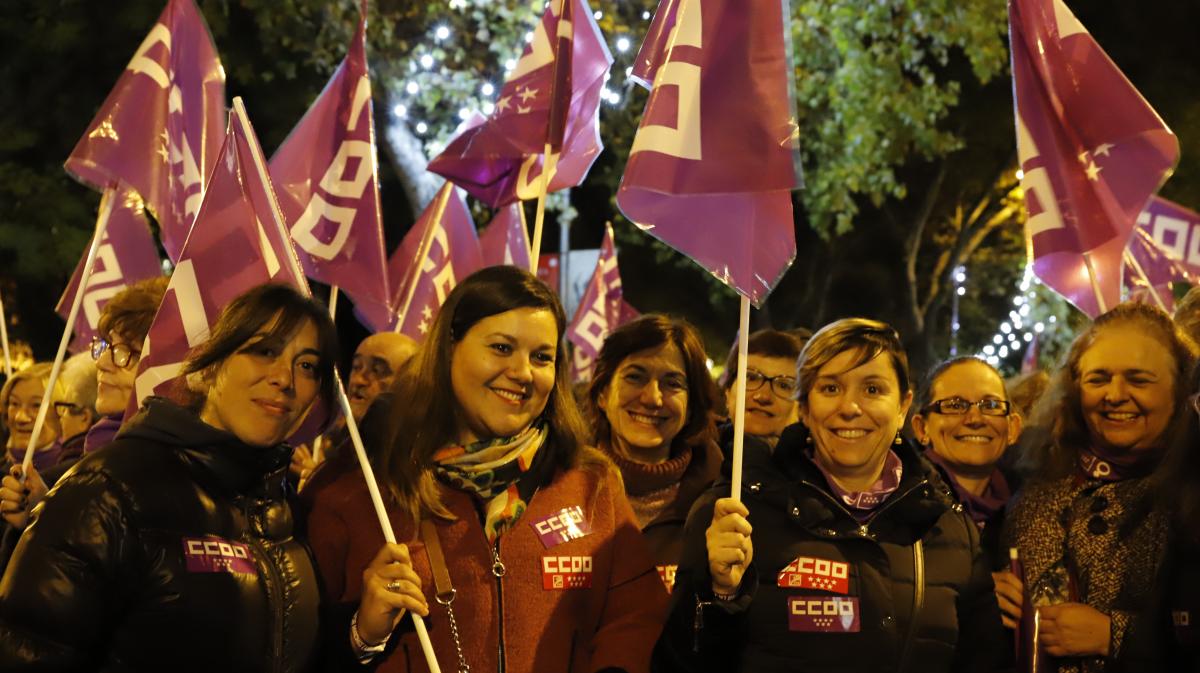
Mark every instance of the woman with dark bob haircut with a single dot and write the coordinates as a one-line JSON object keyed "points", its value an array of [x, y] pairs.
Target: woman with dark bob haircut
{"points": [[1092, 523], [651, 406], [847, 551], [173, 546], [519, 529]]}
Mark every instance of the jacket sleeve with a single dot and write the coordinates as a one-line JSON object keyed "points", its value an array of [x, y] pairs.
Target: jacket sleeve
{"points": [[636, 601], [701, 634], [981, 642], [67, 577], [329, 539]]}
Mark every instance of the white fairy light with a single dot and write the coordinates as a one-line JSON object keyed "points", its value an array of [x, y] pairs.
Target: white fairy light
{"points": [[598, 15], [993, 361], [422, 127], [464, 114], [426, 61], [989, 350], [400, 110], [487, 89], [489, 108], [962, 291], [1038, 327], [1003, 351], [412, 88], [442, 33], [1028, 337], [997, 339], [623, 44], [646, 15], [1005, 327]]}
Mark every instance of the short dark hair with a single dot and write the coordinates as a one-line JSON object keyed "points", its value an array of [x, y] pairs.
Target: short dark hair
{"points": [[770, 343], [651, 331], [248, 313], [867, 338], [131, 311]]}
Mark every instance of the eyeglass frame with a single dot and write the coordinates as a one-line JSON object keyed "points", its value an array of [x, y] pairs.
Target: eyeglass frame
{"points": [[770, 380], [70, 407], [936, 407], [100, 344]]}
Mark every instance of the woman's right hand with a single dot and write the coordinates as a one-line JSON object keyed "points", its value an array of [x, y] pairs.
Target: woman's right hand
{"points": [[17, 500], [390, 587], [1010, 593], [729, 548]]}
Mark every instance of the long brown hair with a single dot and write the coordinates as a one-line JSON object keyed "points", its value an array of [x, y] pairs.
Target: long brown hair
{"points": [[424, 409]]}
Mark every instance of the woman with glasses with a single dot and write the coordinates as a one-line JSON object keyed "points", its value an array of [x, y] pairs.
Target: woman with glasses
{"points": [[650, 403], [845, 551], [966, 423], [173, 547], [1091, 524], [21, 398], [770, 384]]}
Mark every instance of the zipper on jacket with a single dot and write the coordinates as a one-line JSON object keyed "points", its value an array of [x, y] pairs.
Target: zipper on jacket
{"points": [[276, 604], [864, 529], [498, 570]]}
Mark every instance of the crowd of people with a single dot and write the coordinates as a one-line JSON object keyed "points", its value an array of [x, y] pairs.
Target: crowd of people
{"points": [[886, 521]]}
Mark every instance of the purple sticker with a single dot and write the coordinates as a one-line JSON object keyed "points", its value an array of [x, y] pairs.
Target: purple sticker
{"points": [[214, 555], [823, 614], [563, 526]]}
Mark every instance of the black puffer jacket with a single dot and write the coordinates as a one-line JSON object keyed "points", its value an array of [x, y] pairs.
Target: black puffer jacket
{"points": [[861, 619], [171, 549]]}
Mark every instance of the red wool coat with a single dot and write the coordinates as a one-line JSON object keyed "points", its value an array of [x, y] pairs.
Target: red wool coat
{"points": [[612, 621]]}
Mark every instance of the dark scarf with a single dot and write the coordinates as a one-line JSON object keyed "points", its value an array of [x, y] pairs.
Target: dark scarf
{"points": [[862, 504], [1106, 465], [983, 507]]}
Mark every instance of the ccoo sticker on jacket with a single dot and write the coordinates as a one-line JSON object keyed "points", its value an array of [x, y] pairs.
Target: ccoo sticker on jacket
{"points": [[807, 572], [823, 614], [566, 572], [565, 525], [212, 554]]}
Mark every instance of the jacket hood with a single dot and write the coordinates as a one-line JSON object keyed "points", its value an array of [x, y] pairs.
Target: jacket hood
{"points": [[238, 465]]}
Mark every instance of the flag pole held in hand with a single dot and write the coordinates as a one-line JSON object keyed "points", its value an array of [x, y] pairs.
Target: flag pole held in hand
{"points": [[739, 399]]}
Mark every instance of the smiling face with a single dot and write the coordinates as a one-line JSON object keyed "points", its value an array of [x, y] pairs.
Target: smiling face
{"points": [[114, 385], [767, 414], [24, 400], [263, 391], [502, 372], [973, 442], [1126, 389], [646, 403], [853, 415]]}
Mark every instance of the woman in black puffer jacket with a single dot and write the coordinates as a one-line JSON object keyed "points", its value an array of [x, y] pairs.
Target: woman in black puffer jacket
{"points": [[173, 548], [847, 552]]}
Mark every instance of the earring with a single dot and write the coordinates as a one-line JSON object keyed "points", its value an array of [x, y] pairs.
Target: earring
{"points": [[808, 440], [898, 440]]}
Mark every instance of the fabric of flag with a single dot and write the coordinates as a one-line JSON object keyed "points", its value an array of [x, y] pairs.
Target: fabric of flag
{"points": [[712, 165], [327, 180], [234, 247], [1165, 248], [1092, 150], [655, 45], [600, 311], [452, 255], [126, 255], [161, 126], [498, 160], [504, 240]]}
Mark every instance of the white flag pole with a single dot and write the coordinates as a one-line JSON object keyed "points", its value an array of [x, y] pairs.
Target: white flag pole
{"points": [[549, 164], [1091, 270], [739, 399], [4, 341], [364, 462], [443, 198], [106, 206]]}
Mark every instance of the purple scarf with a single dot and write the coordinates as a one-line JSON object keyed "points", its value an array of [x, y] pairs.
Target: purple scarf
{"points": [[862, 504], [42, 459], [1097, 463], [101, 433], [979, 507]]}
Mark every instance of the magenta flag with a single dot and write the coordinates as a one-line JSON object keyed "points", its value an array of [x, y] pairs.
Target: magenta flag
{"points": [[452, 254], [1092, 150], [1165, 248], [601, 310], [235, 246], [712, 165], [327, 181], [504, 240], [655, 45], [499, 160], [161, 126], [126, 255]]}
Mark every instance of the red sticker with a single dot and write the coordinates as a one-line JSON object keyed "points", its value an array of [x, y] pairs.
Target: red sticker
{"points": [[807, 572], [667, 574], [566, 572], [823, 614]]}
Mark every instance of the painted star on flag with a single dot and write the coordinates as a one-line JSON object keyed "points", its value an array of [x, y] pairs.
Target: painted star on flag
{"points": [[502, 104], [526, 94]]}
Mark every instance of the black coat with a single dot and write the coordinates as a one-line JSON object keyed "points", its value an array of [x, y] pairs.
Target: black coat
{"points": [[171, 549], [794, 515]]}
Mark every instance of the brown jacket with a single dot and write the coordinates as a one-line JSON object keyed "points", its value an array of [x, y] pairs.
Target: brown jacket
{"points": [[612, 624]]}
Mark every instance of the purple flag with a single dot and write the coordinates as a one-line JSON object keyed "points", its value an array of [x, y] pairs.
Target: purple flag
{"points": [[504, 240], [452, 254], [1165, 248], [1092, 151], [235, 246], [712, 166], [328, 184], [499, 160], [601, 310], [161, 126], [126, 255]]}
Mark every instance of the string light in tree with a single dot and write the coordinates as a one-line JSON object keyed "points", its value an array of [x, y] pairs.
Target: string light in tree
{"points": [[1016, 333]]}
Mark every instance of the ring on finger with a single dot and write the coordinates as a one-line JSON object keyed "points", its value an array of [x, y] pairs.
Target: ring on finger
{"points": [[394, 586]]}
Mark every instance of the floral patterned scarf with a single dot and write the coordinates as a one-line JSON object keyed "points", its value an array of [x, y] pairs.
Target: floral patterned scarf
{"points": [[502, 473]]}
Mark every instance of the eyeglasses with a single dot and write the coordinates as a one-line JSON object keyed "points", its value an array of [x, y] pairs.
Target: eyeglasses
{"points": [[64, 408], [957, 406], [122, 355], [783, 386]]}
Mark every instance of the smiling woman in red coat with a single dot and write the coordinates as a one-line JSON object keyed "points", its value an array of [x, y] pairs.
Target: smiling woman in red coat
{"points": [[502, 504]]}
